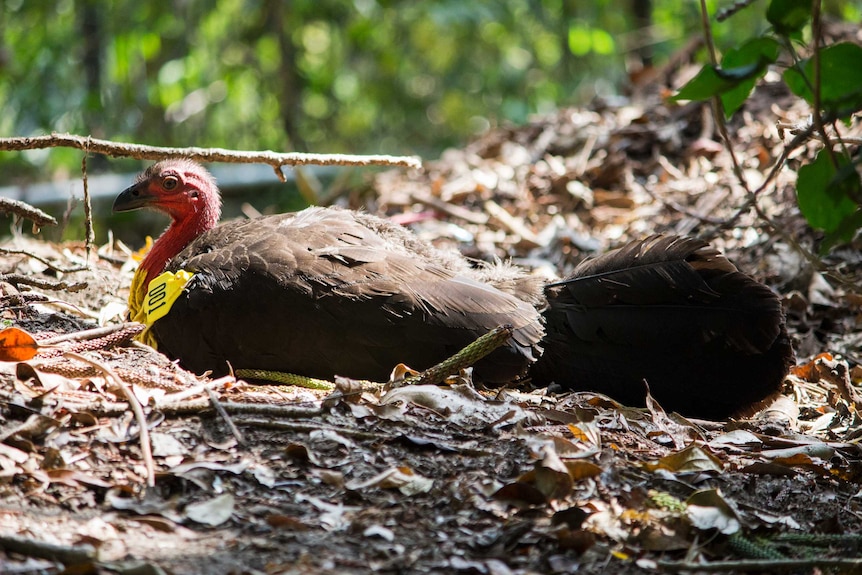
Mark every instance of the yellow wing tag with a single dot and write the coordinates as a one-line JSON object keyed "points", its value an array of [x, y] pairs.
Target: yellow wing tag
{"points": [[163, 292]]}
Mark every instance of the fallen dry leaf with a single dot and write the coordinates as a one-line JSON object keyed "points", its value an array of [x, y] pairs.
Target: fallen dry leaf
{"points": [[17, 345]]}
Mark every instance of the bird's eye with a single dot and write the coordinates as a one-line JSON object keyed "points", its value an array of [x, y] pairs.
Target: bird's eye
{"points": [[170, 183]]}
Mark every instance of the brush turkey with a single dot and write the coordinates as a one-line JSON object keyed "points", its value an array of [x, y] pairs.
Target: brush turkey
{"points": [[327, 292]]}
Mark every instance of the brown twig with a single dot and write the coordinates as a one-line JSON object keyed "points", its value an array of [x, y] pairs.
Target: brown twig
{"points": [[20, 299], [174, 398], [66, 554], [511, 223], [838, 374], [224, 415], [54, 267], [90, 235], [803, 128], [37, 216], [717, 106], [269, 410], [313, 426], [455, 211], [196, 406], [128, 330], [146, 449], [18, 279], [816, 116], [143, 152]]}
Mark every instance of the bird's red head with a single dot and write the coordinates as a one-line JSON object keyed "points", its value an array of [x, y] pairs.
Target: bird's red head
{"points": [[185, 191], [180, 188]]}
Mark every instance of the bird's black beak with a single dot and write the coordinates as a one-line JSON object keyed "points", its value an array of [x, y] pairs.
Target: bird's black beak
{"points": [[133, 197]]}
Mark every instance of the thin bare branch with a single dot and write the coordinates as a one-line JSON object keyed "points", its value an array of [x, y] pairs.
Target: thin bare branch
{"points": [[816, 114], [125, 331], [56, 268], [449, 209], [174, 398], [214, 401], [38, 217], [717, 106], [18, 279], [143, 152], [88, 210], [72, 554]]}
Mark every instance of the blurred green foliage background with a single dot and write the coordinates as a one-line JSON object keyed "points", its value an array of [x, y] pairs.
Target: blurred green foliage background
{"points": [[358, 76]]}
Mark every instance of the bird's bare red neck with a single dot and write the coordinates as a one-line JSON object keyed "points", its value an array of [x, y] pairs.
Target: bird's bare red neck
{"points": [[180, 233]]}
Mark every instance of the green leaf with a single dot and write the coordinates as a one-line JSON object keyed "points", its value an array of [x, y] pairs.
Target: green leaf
{"points": [[844, 233], [840, 79], [825, 194], [712, 80], [760, 51], [704, 85], [788, 16]]}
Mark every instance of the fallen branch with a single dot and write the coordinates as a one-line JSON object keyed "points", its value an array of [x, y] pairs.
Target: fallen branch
{"points": [[143, 152], [126, 332], [174, 398], [65, 554], [203, 405], [453, 210], [309, 427], [512, 223], [37, 216], [56, 268], [19, 279], [222, 412], [21, 299]]}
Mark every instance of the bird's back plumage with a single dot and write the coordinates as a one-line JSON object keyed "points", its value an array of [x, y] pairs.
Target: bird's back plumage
{"points": [[324, 292]]}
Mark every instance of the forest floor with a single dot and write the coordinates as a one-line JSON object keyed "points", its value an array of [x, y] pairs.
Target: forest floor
{"points": [[450, 479]]}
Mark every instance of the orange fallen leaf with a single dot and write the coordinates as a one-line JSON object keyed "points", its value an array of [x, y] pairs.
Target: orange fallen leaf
{"points": [[17, 345], [808, 372]]}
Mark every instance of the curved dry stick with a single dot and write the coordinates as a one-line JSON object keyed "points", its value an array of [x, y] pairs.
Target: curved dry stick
{"points": [[56, 268], [146, 449]]}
